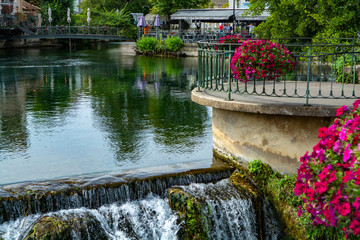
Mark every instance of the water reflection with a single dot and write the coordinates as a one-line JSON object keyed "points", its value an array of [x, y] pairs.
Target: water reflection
{"points": [[96, 111]]}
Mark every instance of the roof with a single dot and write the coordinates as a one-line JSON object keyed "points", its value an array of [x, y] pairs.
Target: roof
{"points": [[29, 7], [136, 16], [215, 14]]}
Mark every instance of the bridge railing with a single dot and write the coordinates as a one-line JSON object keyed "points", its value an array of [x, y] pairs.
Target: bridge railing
{"points": [[325, 68], [75, 30]]}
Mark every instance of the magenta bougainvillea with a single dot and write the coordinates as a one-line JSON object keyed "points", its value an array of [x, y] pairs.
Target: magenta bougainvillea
{"points": [[257, 58], [329, 178], [231, 39]]}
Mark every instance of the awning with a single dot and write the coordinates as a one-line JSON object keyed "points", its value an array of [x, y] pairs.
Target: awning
{"points": [[216, 15], [136, 16], [203, 14]]}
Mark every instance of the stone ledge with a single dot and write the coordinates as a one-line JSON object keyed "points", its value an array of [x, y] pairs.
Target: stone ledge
{"points": [[269, 105]]}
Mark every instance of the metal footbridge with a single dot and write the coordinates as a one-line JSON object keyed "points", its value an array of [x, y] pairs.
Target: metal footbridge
{"points": [[64, 32]]}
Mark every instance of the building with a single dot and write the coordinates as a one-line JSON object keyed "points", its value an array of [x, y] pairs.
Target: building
{"points": [[210, 19], [244, 4], [19, 13]]}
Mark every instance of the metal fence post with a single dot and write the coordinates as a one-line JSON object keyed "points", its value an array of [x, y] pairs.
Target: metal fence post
{"points": [[199, 80], [229, 79], [308, 77]]}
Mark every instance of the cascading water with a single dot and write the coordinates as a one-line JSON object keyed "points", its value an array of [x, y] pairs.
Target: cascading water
{"points": [[232, 216], [149, 218]]}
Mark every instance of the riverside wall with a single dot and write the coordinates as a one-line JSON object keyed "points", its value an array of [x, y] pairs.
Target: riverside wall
{"points": [[273, 130]]}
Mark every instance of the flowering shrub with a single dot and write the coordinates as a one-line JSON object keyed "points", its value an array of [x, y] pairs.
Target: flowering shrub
{"points": [[329, 179], [231, 39], [261, 58]]}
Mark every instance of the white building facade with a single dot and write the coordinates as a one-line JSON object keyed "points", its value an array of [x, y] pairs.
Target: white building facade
{"points": [[239, 4]]}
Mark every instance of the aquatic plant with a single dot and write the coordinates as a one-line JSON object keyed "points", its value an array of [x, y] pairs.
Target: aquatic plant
{"points": [[261, 59], [329, 178]]}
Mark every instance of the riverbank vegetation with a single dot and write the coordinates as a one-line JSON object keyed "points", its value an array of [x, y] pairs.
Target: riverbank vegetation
{"points": [[153, 46]]}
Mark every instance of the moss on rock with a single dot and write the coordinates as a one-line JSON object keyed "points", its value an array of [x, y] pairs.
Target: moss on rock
{"points": [[191, 212], [49, 228], [279, 189], [56, 228]]}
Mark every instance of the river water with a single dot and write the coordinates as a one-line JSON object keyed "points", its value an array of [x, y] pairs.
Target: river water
{"points": [[65, 114]]}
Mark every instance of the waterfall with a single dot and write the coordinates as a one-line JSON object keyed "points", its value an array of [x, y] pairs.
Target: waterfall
{"points": [[230, 213], [76, 195], [149, 218]]}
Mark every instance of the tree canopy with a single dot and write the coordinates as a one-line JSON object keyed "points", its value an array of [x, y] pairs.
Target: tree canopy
{"points": [[58, 10], [132, 6], [308, 18]]}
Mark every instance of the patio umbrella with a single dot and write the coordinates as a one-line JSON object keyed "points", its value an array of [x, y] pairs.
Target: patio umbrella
{"points": [[141, 22], [157, 24], [49, 14], [68, 16], [88, 16], [157, 21]]}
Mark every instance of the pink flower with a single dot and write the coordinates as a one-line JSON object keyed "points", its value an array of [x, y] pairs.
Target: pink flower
{"points": [[322, 132], [321, 187], [344, 209], [343, 134], [348, 176], [356, 203], [355, 227], [341, 110], [347, 153], [356, 104]]}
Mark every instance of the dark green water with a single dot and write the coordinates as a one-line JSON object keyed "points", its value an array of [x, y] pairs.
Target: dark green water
{"points": [[66, 114]]}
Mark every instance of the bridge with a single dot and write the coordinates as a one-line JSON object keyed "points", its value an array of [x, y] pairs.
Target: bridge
{"points": [[63, 32]]}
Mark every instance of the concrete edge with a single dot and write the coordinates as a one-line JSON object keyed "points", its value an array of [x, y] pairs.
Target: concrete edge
{"points": [[290, 109]]}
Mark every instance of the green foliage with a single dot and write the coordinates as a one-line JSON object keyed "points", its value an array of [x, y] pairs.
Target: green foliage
{"points": [[147, 44], [321, 232], [308, 18], [260, 171], [279, 189], [101, 17], [193, 214], [58, 10], [173, 43], [151, 44], [345, 69], [133, 6]]}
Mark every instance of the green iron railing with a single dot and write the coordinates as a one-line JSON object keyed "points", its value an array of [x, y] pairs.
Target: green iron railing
{"points": [[325, 68]]}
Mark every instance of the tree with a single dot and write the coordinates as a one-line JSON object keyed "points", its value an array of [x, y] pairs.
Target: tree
{"points": [[168, 7], [132, 6], [308, 18], [121, 19], [58, 10]]}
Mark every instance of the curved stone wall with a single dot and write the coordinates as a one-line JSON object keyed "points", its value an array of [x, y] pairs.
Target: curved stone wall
{"points": [[274, 139], [269, 129]]}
